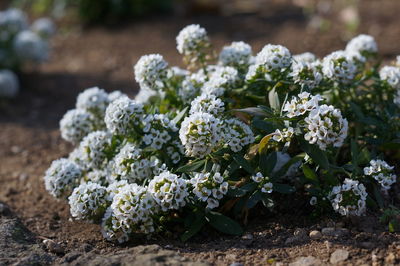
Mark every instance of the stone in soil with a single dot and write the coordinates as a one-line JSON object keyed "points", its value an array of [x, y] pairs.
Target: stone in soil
{"points": [[338, 232], [339, 255], [315, 234], [306, 261]]}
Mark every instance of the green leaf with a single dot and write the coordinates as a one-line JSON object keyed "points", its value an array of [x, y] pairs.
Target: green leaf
{"points": [[318, 156], [255, 111], [180, 116], [274, 100], [192, 166], [283, 188], [223, 223], [286, 167], [254, 199], [249, 187], [267, 163], [267, 201], [194, 228], [310, 174], [263, 125], [378, 197], [243, 163], [236, 192]]}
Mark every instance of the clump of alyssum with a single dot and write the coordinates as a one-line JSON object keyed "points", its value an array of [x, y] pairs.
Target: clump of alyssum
{"points": [[192, 40], [157, 129], [9, 85], [326, 126], [94, 147], [88, 201], [210, 188], [76, 124], [382, 172], [207, 103], [349, 198], [169, 191], [306, 57], [391, 75], [200, 134], [151, 71], [237, 54], [302, 104], [237, 134], [123, 115], [273, 58], [307, 75], [339, 67], [131, 212], [263, 183], [129, 164], [221, 79], [62, 177], [363, 44], [93, 100]]}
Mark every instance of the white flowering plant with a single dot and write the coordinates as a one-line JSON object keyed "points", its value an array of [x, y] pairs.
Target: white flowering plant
{"points": [[21, 44], [206, 145]]}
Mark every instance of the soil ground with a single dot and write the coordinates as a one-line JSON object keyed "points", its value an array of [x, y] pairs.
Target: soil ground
{"points": [[30, 139]]}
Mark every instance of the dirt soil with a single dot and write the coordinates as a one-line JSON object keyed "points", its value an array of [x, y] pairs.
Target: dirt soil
{"points": [[30, 139]]}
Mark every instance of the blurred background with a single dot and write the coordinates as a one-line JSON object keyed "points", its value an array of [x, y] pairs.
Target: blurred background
{"points": [[98, 41]]}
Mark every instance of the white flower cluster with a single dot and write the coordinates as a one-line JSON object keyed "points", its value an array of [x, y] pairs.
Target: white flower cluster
{"points": [[349, 198], [129, 164], [391, 75], [150, 71], [237, 134], [157, 129], [326, 126], [382, 172], [122, 115], [284, 135], [76, 124], [210, 188], [363, 44], [221, 79], [191, 86], [169, 191], [88, 201], [29, 46], [307, 75], [200, 133], [207, 103], [9, 85], [302, 104], [273, 57], [61, 177], [93, 149], [266, 187], [130, 212], [44, 27], [339, 67], [191, 40], [94, 100], [238, 55], [306, 57], [99, 176]]}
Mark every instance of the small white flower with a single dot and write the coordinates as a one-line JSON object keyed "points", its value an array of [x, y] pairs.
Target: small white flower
{"points": [[209, 188], [313, 201], [94, 100], [76, 124], [382, 172], [207, 103], [273, 57]]}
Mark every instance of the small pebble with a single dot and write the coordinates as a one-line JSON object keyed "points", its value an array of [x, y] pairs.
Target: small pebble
{"points": [[315, 235], [339, 255], [53, 246], [248, 237]]}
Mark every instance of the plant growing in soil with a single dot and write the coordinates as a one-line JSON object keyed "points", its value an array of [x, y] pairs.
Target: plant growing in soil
{"points": [[21, 44], [208, 144]]}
